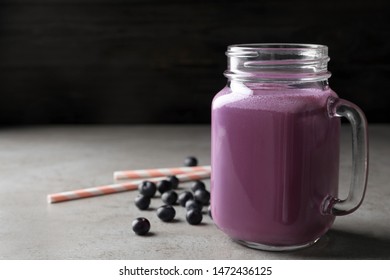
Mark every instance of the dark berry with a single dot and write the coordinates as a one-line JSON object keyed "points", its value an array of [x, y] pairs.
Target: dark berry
{"points": [[169, 197], [147, 188], [164, 186], [209, 212], [190, 161], [141, 226], [174, 181], [203, 196], [166, 213], [194, 217], [192, 204], [198, 185], [183, 197], [142, 202]]}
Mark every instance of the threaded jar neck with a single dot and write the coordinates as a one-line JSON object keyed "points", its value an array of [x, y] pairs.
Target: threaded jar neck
{"points": [[281, 63]]}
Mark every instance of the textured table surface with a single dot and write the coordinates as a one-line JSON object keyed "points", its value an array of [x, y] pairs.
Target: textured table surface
{"points": [[37, 161]]}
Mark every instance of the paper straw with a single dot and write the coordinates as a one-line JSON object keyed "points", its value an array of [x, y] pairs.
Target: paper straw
{"points": [[120, 187], [158, 172]]}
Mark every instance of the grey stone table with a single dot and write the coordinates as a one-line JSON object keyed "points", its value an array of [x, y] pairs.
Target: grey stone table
{"points": [[36, 161]]}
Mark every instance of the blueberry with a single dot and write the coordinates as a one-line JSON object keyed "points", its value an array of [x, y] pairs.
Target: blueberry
{"points": [[190, 161], [147, 188], [166, 213], [142, 202], [164, 186], [175, 182], [203, 196], [141, 226], [192, 204], [198, 185], [194, 217], [169, 197], [183, 197]]}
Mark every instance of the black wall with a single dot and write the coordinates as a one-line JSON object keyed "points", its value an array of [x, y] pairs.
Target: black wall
{"points": [[150, 61]]}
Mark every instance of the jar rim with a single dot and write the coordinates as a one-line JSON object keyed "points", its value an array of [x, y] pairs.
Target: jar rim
{"points": [[268, 62], [279, 45], [253, 49]]}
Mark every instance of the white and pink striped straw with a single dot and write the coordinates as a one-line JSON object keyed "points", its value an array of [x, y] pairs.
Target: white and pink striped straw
{"points": [[158, 172], [120, 187]]}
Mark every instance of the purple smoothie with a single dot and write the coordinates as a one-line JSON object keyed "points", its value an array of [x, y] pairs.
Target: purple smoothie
{"points": [[275, 155]]}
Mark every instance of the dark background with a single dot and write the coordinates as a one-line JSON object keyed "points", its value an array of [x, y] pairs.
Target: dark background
{"points": [[150, 61]]}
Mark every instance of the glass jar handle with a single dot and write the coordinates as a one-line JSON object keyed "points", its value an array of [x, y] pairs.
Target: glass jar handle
{"points": [[342, 108]]}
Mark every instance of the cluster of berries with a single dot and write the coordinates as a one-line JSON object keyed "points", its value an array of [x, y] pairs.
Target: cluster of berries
{"points": [[192, 200]]}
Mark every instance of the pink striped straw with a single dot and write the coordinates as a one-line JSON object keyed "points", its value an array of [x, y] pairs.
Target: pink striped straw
{"points": [[158, 172], [120, 187]]}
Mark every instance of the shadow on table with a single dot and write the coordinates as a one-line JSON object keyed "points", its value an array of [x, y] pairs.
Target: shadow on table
{"points": [[338, 244]]}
